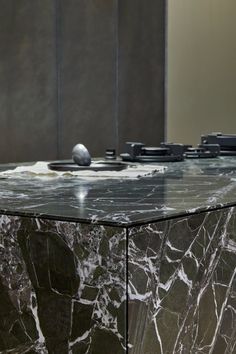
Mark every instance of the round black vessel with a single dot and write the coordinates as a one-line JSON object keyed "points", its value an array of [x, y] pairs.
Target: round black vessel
{"points": [[95, 166]]}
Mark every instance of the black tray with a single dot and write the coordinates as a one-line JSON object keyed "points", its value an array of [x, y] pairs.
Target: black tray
{"points": [[151, 158], [95, 166]]}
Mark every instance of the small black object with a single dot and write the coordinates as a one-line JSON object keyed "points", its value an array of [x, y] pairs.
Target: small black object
{"points": [[110, 154], [95, 166], [227, 142], [167, 152], [202, 151]]}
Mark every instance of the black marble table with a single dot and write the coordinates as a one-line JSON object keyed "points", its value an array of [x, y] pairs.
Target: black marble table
{"points": [[143, 266]]}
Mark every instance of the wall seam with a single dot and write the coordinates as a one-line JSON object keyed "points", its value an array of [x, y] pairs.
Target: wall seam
{"points": [[58, 55], [165, 118], [117, 63]]}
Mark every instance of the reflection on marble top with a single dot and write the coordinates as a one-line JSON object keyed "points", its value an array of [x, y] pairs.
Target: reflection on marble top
{"points": [[186, 187]]}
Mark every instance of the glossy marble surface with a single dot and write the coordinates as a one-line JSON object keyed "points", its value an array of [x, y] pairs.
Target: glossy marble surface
{"points": [[156, 266], [72, 288], [182, 285], [62, 287], [185, 187]]}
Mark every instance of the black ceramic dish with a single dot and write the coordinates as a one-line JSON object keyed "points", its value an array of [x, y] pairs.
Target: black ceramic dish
{"points": [[95, 166]]}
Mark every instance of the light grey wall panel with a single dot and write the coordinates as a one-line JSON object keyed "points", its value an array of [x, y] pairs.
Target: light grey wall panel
{"points": [[141, 70], [88, 74], [27, 80], [201, 69]]}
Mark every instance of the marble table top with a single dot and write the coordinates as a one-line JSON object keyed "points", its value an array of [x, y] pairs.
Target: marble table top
{"points": [[184, 188]]}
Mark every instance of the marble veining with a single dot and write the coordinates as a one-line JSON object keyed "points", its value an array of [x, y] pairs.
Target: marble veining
{"points": [[182, 285], [62, 287], [184, 188], [71, 288], [120, 267]]}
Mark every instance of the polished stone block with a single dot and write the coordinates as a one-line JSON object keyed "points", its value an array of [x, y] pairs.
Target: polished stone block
{"points": [[62, 287], [182, 282], [143, 266]]}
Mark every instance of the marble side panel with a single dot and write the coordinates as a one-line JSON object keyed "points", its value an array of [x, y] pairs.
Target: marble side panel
{"points": [[62, 287], [182, 285]]}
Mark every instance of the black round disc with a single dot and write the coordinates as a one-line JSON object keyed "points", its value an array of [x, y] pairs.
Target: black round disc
{"points": [[200, 155], [99, 166], [154, 151], [151, 159], [227, 153]]}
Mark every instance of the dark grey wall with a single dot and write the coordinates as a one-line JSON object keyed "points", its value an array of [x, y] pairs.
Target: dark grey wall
{"points": [[141, 71], [27, 80], [88, 74], [89, 71]]}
